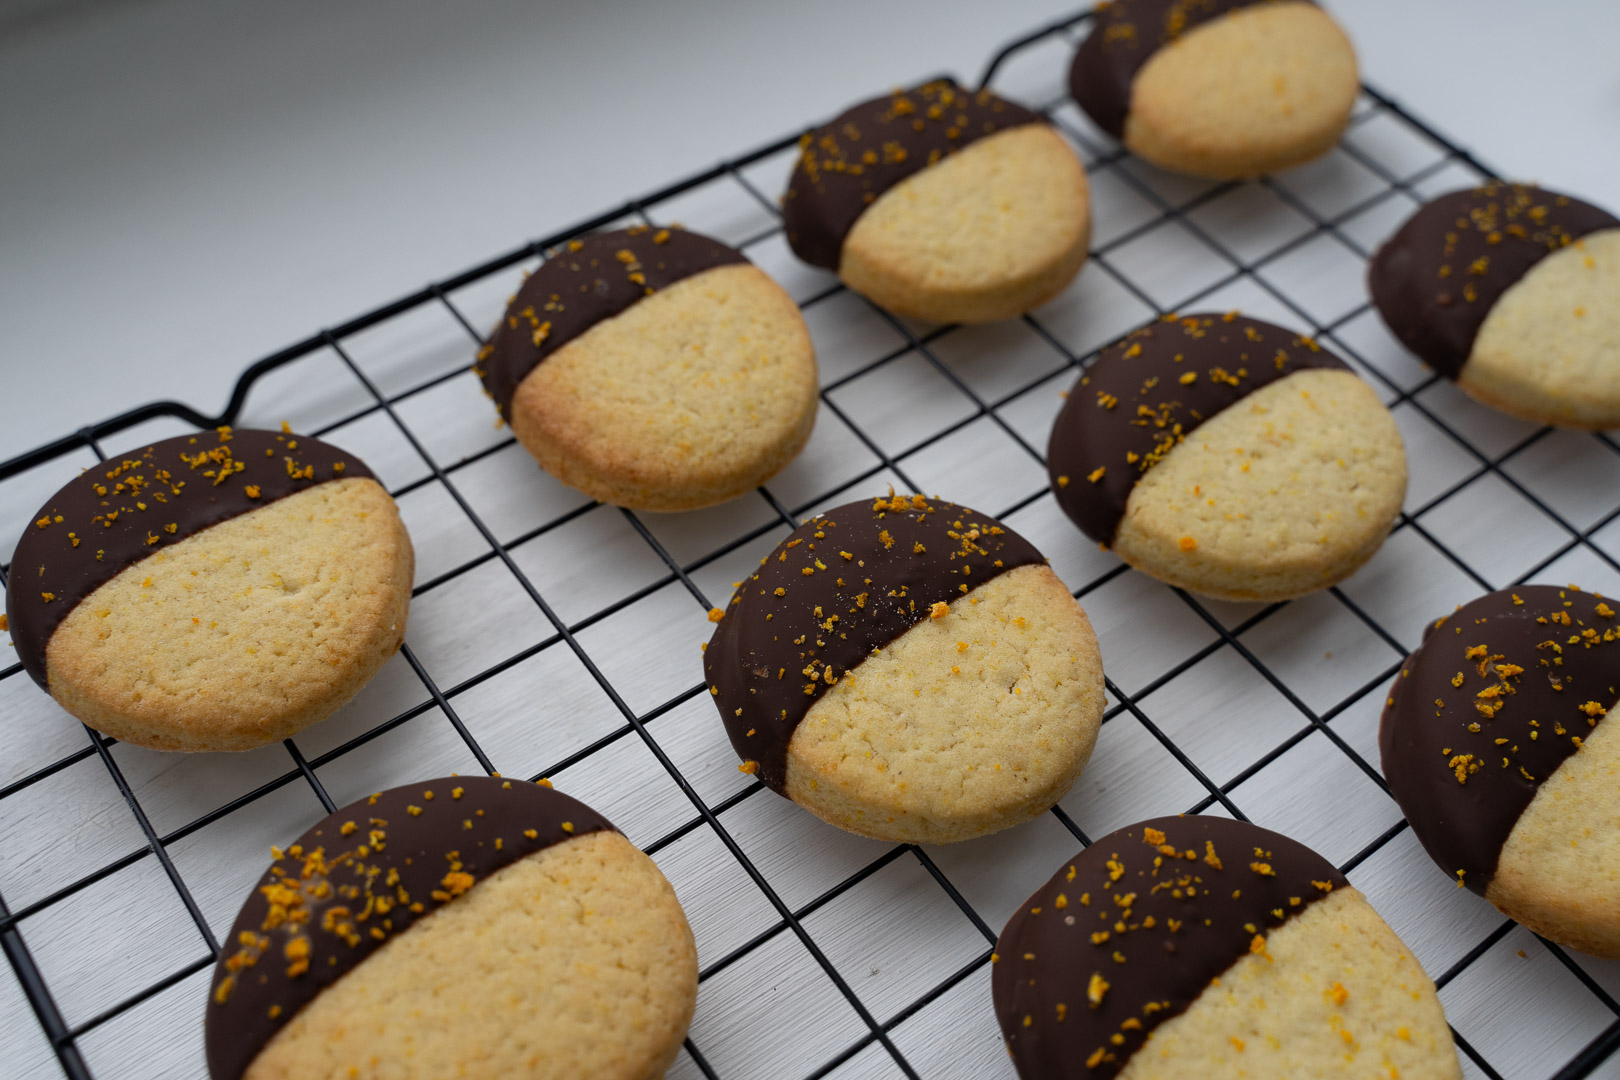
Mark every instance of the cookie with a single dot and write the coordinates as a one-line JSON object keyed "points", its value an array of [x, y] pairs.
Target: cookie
{"points": [[1513, 292], [942, 204], [1217, 88], [1495, 744], [467, 926], [1228, 456], [909, 670], [655, 369], [1202, 947], [216, 591]]}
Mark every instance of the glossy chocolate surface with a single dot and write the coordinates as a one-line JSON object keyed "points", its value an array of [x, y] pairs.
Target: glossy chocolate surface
{"points": [[1143, 396], [1438, 277], [359, 878], [1499, 694], [846, 165], [136, 504], [1128, 933], [1125, 36], [584, 283], [843, 584]]}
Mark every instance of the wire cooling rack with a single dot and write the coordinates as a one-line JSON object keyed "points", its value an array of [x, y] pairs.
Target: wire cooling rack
{"points": [[551, 636]]}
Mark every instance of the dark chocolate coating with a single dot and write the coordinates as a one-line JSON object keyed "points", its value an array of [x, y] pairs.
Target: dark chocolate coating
{"points": [[1143, 396], [1125, 35], [842, 585], [354, 881], [1507, 666], [583, 283], [130, 506], [1436, 279], [846, 165], [1155, 911]]}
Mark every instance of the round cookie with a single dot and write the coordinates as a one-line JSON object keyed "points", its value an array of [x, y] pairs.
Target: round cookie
{"points": [[910, 670], [942, 204], [1513, 292], [1228, 456], [216, 591], [1202, 948], [655, 369], [1217, 88], [1495, 744], [466, 926]]}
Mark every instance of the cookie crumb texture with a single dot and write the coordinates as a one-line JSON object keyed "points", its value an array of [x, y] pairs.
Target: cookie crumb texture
{"points": [[245, 633], [464, 926], [1514, 292], [1218, 88], [691, 396], [908, 669], [1333, 993], [1559, 872], [1192, 948], [1549, 351], [990, 232], [1286, 492], [1228, 456], [575, 961], [941, 204], [968, 723], [1496, 743], [215, 591]]}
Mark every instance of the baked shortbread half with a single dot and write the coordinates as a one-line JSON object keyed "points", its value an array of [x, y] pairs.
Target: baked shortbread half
{"points": [[1202, 948], [941, 204], [467, 926], [1217, 88], [1512, 291], [216, 591], [910, 670], [655, 369], [1496, 743], [1228, 456]]}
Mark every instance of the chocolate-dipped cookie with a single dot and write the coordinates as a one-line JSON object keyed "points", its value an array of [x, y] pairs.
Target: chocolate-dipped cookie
{"points": [[466, 926], [910, 670], [1228, 456], [1512, 291], [653, 368], [1217, 88], [1495, 744], [941, 203], [216, 591], [1204, 947]]}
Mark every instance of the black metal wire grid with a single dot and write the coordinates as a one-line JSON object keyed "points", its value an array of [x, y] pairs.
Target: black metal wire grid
{"points": [[877, 1040]]}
